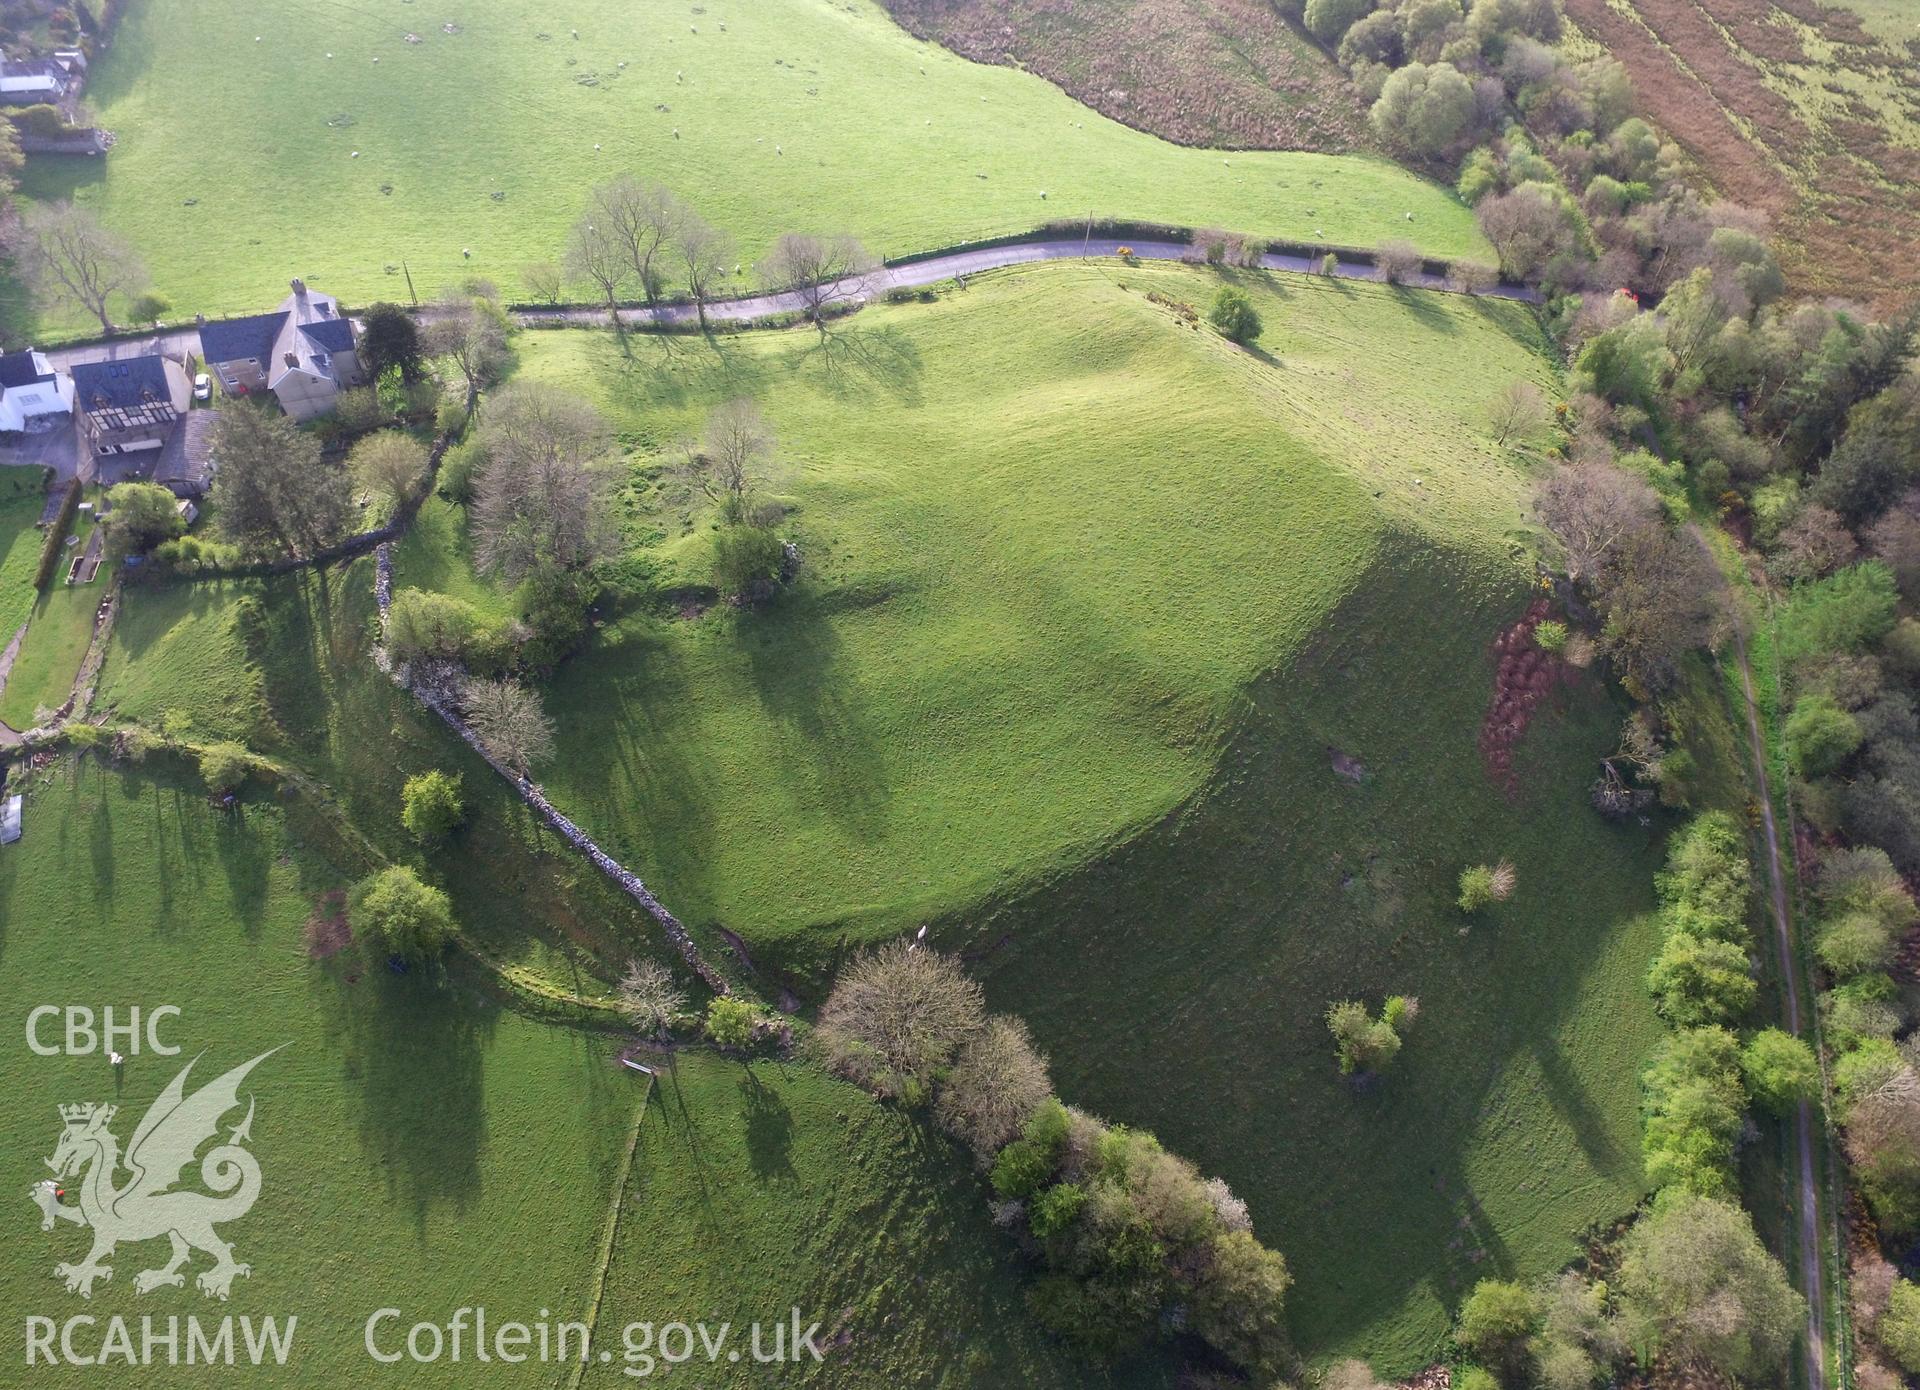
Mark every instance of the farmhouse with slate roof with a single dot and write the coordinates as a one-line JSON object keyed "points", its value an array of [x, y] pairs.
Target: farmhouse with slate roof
{"points": [[304, 352], [32, 81], [32, 394], [132, 404]]}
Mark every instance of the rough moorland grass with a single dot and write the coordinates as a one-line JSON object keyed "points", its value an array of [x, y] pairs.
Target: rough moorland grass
{"points": [[423, 1149], [50, 657], [1050, 531], [1802, 112], [1202, 72], [799, 114]]}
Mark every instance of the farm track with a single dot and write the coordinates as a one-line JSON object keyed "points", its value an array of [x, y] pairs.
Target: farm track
{"points": [[1812, 1272]]}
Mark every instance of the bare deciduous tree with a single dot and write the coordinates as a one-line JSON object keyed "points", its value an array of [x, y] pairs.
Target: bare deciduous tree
{"points": [[732, 460], [1398, 261], [1815, 543], [1592, 507], [1662, 597], [546, 281], [595, 257], [642, 220], [821, 269], [704, 252], [1517, 413], [997, 1082], [538, 497], [508, 720], [897, 1014], [471, 337], [648, 996], [69, 258], [388, 464]]}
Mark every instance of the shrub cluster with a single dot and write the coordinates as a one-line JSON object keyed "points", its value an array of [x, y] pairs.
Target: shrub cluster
{"points": [[1131, 1240]]}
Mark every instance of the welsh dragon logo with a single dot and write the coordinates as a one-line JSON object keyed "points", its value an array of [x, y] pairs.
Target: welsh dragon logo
{"points": [[145, 1207]]}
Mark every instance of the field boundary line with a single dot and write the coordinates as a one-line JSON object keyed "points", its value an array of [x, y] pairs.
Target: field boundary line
{"points": [[611, 1236]]}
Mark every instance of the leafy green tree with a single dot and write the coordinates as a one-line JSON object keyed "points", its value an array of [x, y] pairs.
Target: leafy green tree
{"points": [[1855, 943], [1239, 1304], [430, 805], [1496, 1321], [409, 918], [388, 464], [273, 491], [1697, 980], [139, 517], [390, 340], [1695, 1276], [1425, 108], [1695, 1107], [730, 1021], [1029, 1162], [747, 562], [1361, 1042], [1234, 315], [1329, 20], [1845, 612], [1900, 1325], [1780, 1070], [224, 766], [1822, 735], [1055, 1210], [1551, 636], [426, 624], [1483, 885]]}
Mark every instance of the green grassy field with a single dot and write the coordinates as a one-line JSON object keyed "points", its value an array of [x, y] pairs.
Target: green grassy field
{"points": [[284, 666], [797, 114], [850, 1211], [1181, 983], [1051, 534], [423, 1149], [1092, 601], [406, 1133], [20, 546], [42, 676]]}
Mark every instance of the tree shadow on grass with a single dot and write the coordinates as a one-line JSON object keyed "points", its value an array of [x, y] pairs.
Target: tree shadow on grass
{"points": [[1236, 922], [856, 362], [1426, 306], [769, 1128], [412, 1054], [796, 658]]}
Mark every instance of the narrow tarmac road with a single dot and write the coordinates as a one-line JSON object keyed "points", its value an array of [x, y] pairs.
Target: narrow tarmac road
{"points": [[946, 266]]}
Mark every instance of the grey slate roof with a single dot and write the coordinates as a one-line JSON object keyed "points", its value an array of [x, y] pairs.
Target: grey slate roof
{"points": [[19, 369], [127, 384], [233, 340], [329, 335]]}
